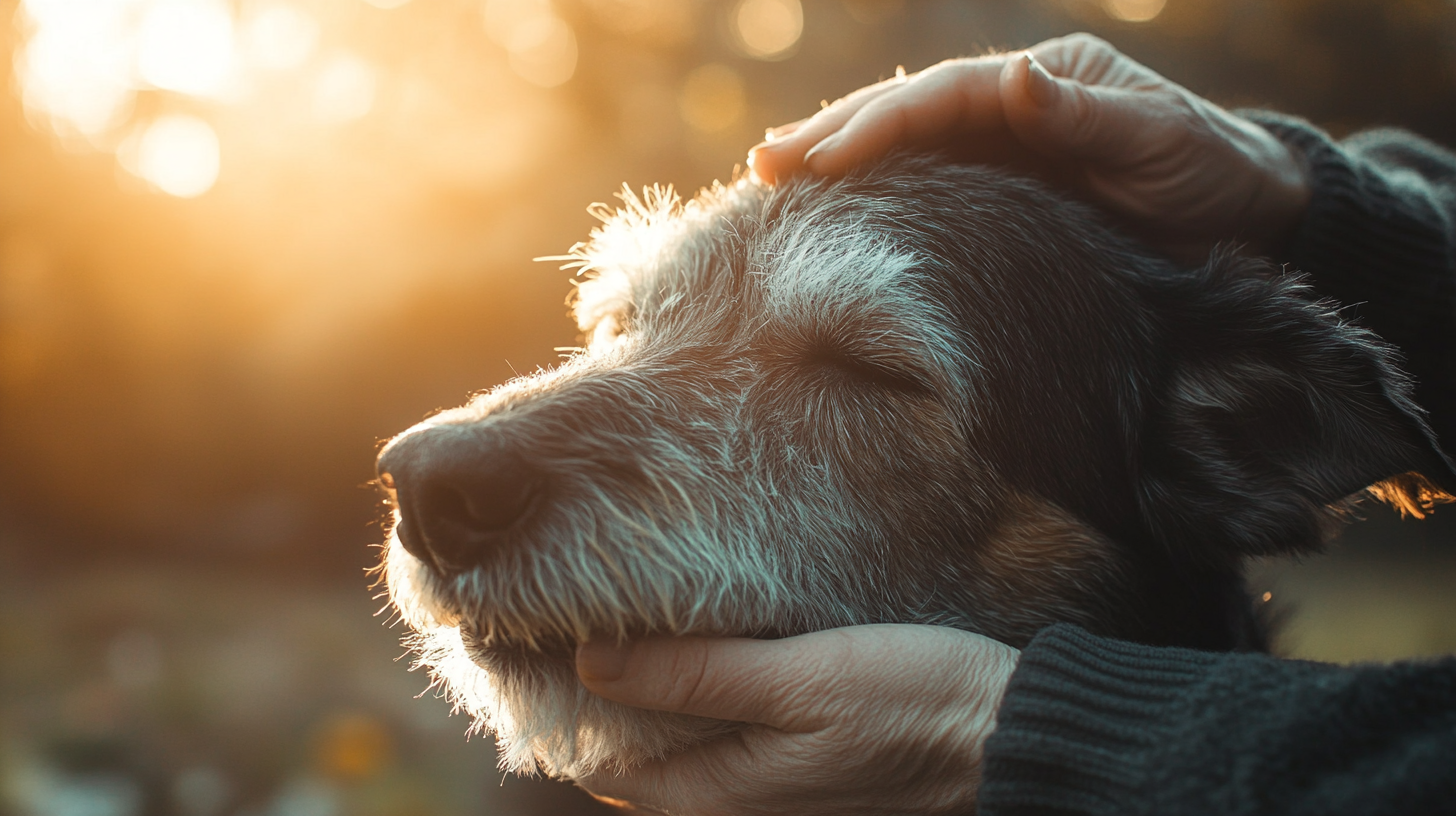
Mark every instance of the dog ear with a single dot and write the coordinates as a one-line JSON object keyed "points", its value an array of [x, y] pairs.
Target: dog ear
{"points": [[1271, 409]]}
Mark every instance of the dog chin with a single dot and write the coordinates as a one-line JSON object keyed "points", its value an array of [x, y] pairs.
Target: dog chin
{"points": [[542, 717]]}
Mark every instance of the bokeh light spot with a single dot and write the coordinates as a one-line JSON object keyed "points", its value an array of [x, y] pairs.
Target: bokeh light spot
{"points": [[543, 51], [179, 155], [354, 746], [186, 46], [663, 22], [713, 98], [76, 67], [768, 29], [504, 17], [279, 37], [344, 90], [1133, 11]]}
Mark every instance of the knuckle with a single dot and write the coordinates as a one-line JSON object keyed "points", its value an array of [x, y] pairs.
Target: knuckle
{"points": [[1082, 119], [1083, 39], [688, 675]]}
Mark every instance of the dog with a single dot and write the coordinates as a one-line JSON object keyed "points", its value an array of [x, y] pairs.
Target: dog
{"points": [[923, 393]]}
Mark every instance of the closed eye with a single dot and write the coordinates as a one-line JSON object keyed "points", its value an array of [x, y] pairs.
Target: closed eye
{"points": [[872, 371]]}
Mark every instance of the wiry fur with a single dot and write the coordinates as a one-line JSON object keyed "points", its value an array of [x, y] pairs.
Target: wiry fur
{"points": [[924, 393]]}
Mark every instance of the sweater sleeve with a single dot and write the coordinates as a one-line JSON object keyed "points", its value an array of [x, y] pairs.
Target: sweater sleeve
{"points": [[1097, 726], [1380, 237]]}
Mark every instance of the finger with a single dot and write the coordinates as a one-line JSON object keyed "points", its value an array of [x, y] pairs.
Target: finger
{"points": [[783, 155], [773, 682], [783, 130], [1092, 60], [951, 101], [1067, 118]]}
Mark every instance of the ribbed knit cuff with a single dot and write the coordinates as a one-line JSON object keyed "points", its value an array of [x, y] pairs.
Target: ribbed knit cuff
{"points": [[1372, 235], [1379, 238], [1080, 719]]}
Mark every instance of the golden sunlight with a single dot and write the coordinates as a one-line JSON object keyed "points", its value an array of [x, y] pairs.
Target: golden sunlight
{"points": [[543, 51], [179, 155], [278, 37], [1133, 11], [768, 29], [504, 17], [186, 46], [713, 98], [74, 72], [344, 90]]}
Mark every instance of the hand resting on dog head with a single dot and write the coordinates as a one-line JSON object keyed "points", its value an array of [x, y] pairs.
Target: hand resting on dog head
{"points": [[1178, 168], [859, 720]]}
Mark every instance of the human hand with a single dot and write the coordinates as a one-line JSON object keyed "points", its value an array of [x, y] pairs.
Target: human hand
{"points": [[1179, 169], [876, 719]]}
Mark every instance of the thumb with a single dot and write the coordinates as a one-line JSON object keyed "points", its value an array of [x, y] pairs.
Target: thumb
{"points": [[737, 679], [1065, 118]]}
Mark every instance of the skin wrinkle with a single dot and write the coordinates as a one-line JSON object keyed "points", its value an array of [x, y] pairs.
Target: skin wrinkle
{"points": [[922, 394]]}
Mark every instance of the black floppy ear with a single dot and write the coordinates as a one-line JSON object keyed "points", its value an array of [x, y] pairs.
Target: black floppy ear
{"points": [[1272, 408]]}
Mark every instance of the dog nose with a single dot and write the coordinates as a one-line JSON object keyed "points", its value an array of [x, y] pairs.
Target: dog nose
{"points": [[459, 491]]}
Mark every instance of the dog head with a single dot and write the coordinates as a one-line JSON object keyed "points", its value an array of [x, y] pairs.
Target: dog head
{"points": [[923, 393]]}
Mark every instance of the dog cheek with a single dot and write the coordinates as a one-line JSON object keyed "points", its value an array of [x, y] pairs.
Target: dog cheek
{"points": [[1040, 565]]}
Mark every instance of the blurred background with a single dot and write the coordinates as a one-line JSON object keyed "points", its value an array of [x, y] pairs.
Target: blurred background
{"points": [[243, 241]]}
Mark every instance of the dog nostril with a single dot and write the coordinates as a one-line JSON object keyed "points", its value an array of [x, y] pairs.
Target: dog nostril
{"points": [[477, 502], [459, 492]]}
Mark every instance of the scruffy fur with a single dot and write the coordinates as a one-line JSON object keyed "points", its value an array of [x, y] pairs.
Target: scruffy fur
{"points": [[923, 393]]}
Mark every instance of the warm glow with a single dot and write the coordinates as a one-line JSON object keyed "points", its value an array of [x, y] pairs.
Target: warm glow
{"points": [[179, 155], [1133, 11], [661, 21], [768, 29], [186, 45], [75, 69], [386, 4], [503, 18], [279, 37], [345, 89], [871, 12], [543, 51], [713, 98]]}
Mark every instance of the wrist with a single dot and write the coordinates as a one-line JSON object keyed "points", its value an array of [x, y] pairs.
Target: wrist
{"points": [[1287, 193], [991, 670], [1283, 193]]}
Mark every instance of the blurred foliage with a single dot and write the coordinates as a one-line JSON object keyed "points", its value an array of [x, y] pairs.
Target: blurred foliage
{"points": [[208, 378]]}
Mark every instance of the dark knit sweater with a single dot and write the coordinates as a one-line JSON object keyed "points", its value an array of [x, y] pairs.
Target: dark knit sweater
{"points": [[1097, 726]]}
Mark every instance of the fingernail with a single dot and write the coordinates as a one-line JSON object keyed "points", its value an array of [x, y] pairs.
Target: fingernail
{"points": [[602, 661], [1039, 84], [768, 145], [782, 130], [816, 157], [759, 148]]}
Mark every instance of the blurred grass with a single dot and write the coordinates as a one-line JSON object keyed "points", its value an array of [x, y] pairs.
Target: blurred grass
{"points": [[1385, 590]]}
